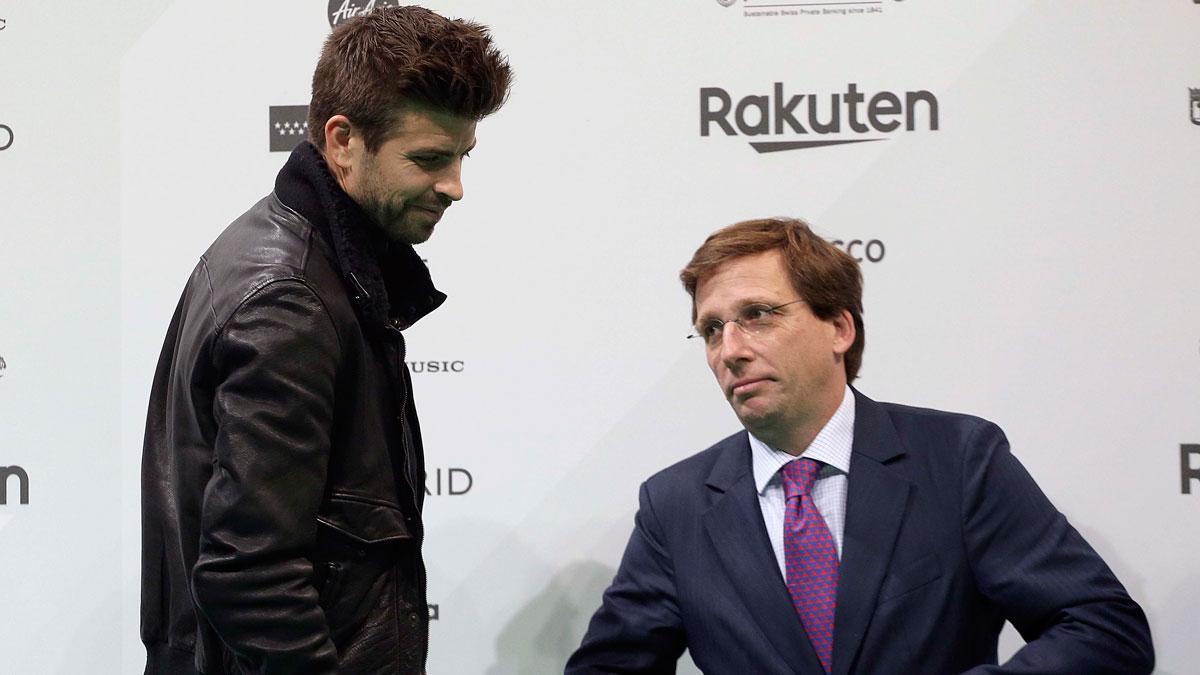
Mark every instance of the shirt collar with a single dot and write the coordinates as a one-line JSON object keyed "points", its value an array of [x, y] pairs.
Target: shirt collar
{"points": [[832, 446]]}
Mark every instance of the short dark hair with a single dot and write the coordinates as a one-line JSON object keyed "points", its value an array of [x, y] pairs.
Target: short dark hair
{"points": [[376, 63], [826, 277]]}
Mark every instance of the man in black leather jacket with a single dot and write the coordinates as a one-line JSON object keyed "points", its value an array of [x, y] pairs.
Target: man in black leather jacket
{"points": [[282, 471]]}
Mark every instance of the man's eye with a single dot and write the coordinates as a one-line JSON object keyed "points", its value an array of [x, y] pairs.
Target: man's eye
{"points": [[710, 329], [757, 313]]}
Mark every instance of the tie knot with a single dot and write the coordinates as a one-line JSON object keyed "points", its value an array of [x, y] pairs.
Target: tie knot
{"points": [[798, 476]]}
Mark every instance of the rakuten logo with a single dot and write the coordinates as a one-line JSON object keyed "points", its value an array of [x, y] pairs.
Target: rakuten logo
{"points": [[847, 117]]}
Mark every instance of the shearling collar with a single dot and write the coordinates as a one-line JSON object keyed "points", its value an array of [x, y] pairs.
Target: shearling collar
{"points": [[388, 281]]}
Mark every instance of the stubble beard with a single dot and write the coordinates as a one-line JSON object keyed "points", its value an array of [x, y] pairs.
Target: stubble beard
{"points": [[392, 216]]}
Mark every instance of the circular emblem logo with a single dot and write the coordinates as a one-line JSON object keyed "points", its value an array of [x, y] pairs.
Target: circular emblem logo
{"points": [[726, 3], [341, 10], [6, 141]]}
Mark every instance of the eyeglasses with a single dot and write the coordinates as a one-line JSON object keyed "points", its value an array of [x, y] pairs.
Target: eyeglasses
{"points": [[752, 319]]}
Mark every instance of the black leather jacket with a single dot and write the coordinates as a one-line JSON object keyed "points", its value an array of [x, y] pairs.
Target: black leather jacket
{"points": [[282, 471]]}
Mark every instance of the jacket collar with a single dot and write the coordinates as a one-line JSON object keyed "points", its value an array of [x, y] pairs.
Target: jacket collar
{"points": [[874, 437], [388, 281]]}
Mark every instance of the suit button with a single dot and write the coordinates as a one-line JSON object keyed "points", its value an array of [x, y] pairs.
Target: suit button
{"points": [[412, 618]]}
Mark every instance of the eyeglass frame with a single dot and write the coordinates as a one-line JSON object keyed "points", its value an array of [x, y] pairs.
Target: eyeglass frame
{"points": [[719, 324]]}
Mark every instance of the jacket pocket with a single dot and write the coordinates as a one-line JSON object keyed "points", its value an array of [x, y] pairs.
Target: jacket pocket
{"points": [[359, 541], [365, 521], [911, 576]]}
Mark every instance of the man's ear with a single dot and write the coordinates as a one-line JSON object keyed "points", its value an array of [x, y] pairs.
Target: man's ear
{"points": [[342, 141], [844, 332]]}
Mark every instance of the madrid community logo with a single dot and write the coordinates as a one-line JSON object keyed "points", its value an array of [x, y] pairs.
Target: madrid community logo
{"points": [[288, 126], [1195, 105]]}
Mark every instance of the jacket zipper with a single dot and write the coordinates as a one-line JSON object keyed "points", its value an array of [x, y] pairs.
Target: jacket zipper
{"points": [[410, 467], [402, 379]]}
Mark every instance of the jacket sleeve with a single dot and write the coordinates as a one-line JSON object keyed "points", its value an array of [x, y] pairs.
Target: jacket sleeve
{"points": [[637, 628], [1074, 614], [275, 361]]}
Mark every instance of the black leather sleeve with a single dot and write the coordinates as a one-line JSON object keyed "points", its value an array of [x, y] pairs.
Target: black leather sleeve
{"points": [[276, 361]]}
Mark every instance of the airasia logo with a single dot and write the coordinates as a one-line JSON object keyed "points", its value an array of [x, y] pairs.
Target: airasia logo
{"points": [[342, 10]]}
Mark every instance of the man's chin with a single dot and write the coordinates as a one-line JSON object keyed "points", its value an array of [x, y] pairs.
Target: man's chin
{"points": [[406, 232], [420, 236], [420, 225], [753, 416]]}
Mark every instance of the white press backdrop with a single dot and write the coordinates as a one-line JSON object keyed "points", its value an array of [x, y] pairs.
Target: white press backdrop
{"points": [[1038, 269]]}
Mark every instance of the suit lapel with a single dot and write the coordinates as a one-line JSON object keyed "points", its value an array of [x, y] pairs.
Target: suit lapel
{"points": [[734, 524], [875, 508]]}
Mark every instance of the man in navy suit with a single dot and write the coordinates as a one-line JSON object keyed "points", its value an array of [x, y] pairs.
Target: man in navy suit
{"points": [[838, 534]]}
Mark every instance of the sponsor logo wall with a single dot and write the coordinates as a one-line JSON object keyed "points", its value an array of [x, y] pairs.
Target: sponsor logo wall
{"points": [[1025, 277]]}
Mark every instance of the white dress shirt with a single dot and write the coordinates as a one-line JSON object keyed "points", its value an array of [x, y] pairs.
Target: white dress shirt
{"points": [[832, 447]]}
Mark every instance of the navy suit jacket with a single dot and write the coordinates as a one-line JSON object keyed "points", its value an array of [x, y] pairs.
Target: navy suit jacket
{"points": [[946, 537]]}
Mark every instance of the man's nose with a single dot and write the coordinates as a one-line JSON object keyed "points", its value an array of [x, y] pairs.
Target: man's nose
{"points": [[449, 183], [735, 343]]}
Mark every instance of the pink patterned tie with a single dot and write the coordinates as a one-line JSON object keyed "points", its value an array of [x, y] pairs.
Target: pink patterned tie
{"points": [[811, 557]]}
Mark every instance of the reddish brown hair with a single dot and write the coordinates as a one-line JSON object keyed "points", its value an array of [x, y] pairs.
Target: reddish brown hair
{"points": [[376, 63], [826, 277]]}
